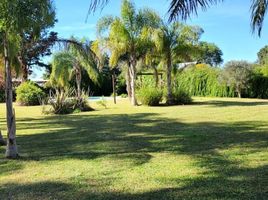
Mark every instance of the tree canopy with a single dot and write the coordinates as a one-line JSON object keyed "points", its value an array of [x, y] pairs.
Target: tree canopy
{"points": [[263, 55]]}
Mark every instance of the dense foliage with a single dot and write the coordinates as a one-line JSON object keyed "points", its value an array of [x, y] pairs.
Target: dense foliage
{"points": [[210, 54], [64, 102], [150, 96], [203, 80], [237, 75], [181, 97], [258, 83], [29, 94]]}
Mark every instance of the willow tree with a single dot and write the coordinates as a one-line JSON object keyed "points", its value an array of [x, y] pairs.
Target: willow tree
{"points": [[15, 17], [185, 8], [126, 38], [175, 43]]}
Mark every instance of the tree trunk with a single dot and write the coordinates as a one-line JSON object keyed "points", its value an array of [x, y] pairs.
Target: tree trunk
{"points": [[170, 100], [24, 69], [133, 76], [128, 83], [239, 93], [156, 76], [238, 90], [2, 141], [11, 150], [78, 84], [114, 87]]}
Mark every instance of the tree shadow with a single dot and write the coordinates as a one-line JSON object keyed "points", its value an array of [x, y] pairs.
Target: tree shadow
{"points": [[136, 137], [235, 183], [230, 103]]}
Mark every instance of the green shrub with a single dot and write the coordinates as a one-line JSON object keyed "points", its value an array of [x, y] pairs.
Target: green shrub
{"points": [[82, 104], [145, 81], [150, 96], [257, 86], [29, 94], [181, 97], [63, 102], [123, 95]]}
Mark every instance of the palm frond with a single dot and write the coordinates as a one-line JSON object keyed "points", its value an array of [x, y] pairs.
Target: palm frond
{"points": [[104, 24], [94, 4], [62, 64], [258, 12], [184, 8], [86, 57]]}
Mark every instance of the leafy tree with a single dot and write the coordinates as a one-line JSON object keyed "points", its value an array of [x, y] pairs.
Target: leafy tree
{"points": [[263, 56], [33, 49], [209, 54], [15, 17], [175, 43], [203, 80], [36, 42], [126, 37], [184, 9], [237, 74]]}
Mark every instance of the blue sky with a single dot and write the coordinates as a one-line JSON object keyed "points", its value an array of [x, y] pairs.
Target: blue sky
{"points": [[226, 24]]}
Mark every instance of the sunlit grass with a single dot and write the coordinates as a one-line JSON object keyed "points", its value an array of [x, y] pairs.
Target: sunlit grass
{"points": [[213, 149]]}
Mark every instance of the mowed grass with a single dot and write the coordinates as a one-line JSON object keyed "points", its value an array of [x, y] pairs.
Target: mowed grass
{"points": [[213, 149]]}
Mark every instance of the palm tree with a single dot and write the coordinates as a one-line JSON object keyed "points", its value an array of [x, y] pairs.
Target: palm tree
{"points": [[127, 37], [175, 43], [184, 9], [71, 62]]}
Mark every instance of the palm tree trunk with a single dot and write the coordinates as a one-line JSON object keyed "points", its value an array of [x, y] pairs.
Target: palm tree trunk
{"points": [[11, 150], [128, 83], [78, 83], [169, 84], [133, 76], [2, 141]]}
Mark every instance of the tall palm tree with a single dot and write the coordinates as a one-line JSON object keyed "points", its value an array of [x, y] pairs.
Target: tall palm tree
{"points": [[175, 43], [126, 37], [184, 9]]}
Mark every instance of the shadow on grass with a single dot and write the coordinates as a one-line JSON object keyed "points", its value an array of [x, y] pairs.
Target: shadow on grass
{"points": [[136, 138], [244, 183], [229, 103]]}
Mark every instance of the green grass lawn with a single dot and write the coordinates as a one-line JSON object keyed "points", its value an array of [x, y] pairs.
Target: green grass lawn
{"points": [[213, 149]]}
